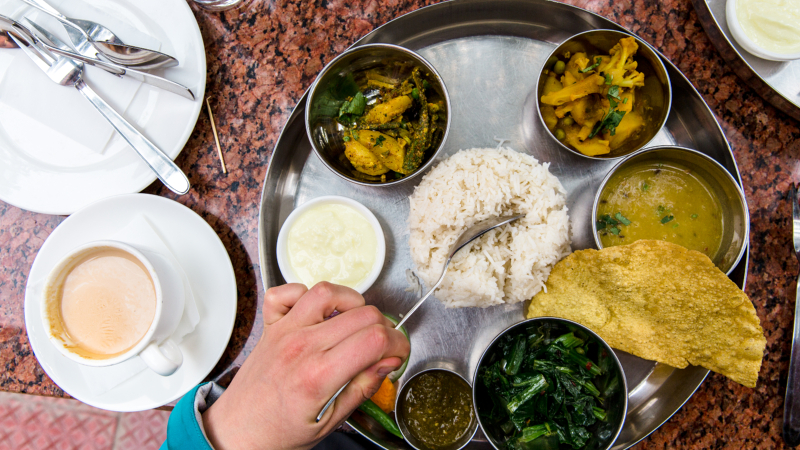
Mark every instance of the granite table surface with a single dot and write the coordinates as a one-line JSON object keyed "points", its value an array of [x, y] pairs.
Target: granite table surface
{"points": [[263, 56]]}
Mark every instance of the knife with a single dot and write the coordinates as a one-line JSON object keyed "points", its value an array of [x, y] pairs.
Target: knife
{"points": [[55, 45], [791, 407]]}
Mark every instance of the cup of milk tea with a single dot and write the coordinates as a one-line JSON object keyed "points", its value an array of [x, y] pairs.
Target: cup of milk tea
{"points": [[102, 304]]}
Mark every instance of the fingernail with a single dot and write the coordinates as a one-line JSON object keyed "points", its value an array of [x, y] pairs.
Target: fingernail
{"points": [[384, 371]]}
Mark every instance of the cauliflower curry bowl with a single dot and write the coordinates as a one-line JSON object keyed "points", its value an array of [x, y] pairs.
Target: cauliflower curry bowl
{"points": [[603, 94]]}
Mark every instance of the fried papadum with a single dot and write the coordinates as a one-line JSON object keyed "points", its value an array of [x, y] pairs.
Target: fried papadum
{"points": [[661, 302]]}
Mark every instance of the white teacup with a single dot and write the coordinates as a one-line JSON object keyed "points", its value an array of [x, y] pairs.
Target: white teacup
{"points": [[99, 326]]}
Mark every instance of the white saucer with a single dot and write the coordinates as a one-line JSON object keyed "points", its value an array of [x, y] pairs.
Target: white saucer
{"points": [[204, 260], [43, 170]]}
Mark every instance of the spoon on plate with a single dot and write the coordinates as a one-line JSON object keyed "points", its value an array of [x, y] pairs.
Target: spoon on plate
{"points": [[470, 234], [86, 35]]}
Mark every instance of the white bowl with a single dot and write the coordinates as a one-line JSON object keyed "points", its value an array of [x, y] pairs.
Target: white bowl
{"points": [[741, 37], [283, 240]]}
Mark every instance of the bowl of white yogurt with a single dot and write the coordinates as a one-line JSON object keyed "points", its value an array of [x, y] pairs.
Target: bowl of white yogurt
{"points": [[769, 29], [334, 239]]}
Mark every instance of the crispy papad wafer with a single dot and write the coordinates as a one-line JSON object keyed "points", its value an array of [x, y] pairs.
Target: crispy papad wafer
{"points": [[661, 302]]}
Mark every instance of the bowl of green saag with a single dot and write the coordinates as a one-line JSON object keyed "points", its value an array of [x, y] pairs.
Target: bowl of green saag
{"points": [[548, 383]]}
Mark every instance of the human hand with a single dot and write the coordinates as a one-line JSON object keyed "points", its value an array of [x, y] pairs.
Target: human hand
{"points": [[300, 361]]}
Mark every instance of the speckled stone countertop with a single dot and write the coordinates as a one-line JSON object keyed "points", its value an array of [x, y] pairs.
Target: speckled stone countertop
{"points": [[262, 57]]}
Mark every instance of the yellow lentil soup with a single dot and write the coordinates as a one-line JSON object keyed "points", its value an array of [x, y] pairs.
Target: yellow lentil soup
{"points": [[664, 201]]}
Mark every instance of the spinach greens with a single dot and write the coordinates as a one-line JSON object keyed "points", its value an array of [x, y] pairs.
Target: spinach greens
{"points": [[547, 387]]}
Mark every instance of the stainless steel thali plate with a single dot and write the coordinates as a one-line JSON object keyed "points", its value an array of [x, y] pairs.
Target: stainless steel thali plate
{"points": [[488, 53], [777, 82]]}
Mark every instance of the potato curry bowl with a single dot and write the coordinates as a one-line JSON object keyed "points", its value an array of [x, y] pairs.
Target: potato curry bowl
{"points": [[603, 94], [378, 114]]}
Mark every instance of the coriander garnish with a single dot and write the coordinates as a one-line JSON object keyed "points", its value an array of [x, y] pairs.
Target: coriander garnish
{"points": [[607, 224], [667, 218], [623, 220], [593, 66], [613, 117]]}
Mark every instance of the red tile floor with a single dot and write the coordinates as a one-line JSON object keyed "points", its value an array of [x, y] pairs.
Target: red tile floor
{"points": [[29, 422]]}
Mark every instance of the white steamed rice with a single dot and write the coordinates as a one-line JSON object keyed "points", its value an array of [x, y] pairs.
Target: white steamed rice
{"points": [[507, 265]]}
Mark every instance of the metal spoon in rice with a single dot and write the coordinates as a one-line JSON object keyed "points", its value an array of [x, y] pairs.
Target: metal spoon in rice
{"points": [[469, 235]]}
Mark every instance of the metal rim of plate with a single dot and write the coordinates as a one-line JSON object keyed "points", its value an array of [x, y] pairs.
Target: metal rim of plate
{"points": [[462, 38], [775, 81]]}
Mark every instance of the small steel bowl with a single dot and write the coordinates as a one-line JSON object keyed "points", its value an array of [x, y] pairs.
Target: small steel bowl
{"points": [[282, 246], [325, 133], [618, 399], [436, 366], [649, 63], [735, 216]]}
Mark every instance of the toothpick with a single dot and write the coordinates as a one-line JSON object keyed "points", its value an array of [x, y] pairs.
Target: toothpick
{"points": [[216, 136]]}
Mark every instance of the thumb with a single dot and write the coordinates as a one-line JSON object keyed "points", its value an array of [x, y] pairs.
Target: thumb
{"points": [[367, 383], [378, 373], [363, 386]]}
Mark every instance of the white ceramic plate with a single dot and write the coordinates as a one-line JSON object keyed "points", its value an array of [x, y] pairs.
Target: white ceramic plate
{"points": [[42, 171], [204, 260]]}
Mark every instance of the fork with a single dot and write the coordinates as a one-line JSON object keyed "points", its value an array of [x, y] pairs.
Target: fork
{"points": [[67, 72], [791, 407]]}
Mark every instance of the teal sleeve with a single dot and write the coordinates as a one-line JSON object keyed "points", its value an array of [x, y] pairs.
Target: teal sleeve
{"points": [[184, 432]]}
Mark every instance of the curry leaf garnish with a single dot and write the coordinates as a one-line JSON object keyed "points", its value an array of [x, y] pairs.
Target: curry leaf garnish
{"points": [[667, 218], [332, 99], [380, 140], [593, 66], [353, 108]]}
